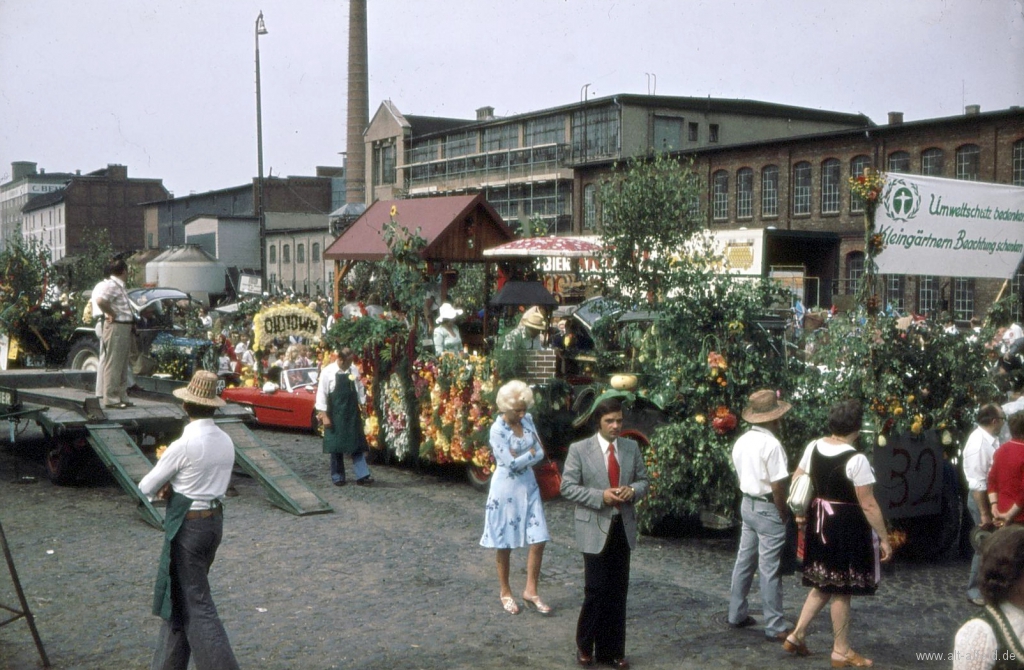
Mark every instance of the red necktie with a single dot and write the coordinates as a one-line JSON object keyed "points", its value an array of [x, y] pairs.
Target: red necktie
{"points": [[613, 467]]}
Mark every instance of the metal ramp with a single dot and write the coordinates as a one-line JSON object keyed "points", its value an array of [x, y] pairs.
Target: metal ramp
{"points": [[285, 488], [126, 462]]}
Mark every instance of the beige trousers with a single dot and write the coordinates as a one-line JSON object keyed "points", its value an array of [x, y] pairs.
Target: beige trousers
{"points": [[116, 346]]}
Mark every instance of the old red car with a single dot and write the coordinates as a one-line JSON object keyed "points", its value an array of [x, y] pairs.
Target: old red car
{"points": [[289, 405]]}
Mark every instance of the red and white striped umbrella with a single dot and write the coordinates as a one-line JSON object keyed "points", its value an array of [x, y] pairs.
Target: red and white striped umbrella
{"points": [[565, 247]]}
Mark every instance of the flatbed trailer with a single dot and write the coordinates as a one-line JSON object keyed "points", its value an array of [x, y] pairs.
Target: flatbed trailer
{"points": [[63, 404]]}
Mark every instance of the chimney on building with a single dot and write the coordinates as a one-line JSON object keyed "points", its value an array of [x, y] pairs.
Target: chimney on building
{"points": [[485, 114], [972, 109], [358, 104], [117, 172], [22, 169], [895, 118]]}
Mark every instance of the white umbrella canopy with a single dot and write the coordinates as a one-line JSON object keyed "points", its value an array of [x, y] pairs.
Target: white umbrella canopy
{"points": [[565, 247]]}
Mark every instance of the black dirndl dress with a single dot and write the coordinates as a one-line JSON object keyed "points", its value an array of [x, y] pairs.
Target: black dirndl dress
{"points": [[841, 553]]}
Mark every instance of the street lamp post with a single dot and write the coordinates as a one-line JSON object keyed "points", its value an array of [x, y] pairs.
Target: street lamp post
{"points": [[261, 29]]}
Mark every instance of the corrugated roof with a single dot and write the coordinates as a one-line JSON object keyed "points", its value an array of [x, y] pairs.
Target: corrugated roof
{"points": [[433, 216]]}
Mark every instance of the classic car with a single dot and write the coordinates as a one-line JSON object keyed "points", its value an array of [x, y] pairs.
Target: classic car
{"points": [[288, 404]]}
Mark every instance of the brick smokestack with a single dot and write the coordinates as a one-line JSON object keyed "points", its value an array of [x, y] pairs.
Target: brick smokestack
{"points": [[358, 104]]}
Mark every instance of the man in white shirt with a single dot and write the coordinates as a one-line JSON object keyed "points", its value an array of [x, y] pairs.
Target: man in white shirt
{"points": [[197, 469], [977, 461], [339, 399], [1016, 404], [762, 470]]}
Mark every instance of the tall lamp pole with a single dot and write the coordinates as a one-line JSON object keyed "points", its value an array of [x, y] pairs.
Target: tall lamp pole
{"points": [[261, 29]]}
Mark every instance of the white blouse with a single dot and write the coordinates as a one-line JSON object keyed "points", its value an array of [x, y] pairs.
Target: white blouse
{"points": [[975, 646]]}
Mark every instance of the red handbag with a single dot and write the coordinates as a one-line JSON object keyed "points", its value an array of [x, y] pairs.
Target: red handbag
{"points": [[548, 478]]}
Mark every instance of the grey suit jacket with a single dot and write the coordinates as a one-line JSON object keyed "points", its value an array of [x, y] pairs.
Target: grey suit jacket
{"points": [[584, 479]]}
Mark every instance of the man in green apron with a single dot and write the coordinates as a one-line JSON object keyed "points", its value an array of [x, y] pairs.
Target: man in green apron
{"points": [[195, 471], [339, 395]]}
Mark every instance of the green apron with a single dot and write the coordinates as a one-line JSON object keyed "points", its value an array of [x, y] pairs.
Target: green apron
{"points": [[345, 434], [177, 507]]}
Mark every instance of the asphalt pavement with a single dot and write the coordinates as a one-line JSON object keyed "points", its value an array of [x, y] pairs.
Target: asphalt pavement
{"points": [[395, 578]]}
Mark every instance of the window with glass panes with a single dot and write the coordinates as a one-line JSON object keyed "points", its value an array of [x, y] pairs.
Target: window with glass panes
{"points": [[272, 254], [720, 195], [424, 150], [595, 132], [744, 193], [968, 162], [693, 181], [1018, 163], [545, 130], [927, 295], [668, 133], [963, 298], [589, 207], [802, 188], [857, 167], [384, 164], [899, 161], [770, 190], [931, 162], [830, 186], [501, 137], [315, 252], [894, 291], [460, 144], [286, 253], [854, 271]]}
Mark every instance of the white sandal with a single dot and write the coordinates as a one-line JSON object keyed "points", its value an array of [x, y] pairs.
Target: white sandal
{"points": [[509, 604]]}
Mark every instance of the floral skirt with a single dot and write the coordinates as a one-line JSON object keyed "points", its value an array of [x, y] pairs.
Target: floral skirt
{"points": [[841, 552]]}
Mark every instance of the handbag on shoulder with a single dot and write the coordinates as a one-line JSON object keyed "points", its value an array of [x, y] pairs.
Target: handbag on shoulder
{"points": [[801, 492], [549, 479]]}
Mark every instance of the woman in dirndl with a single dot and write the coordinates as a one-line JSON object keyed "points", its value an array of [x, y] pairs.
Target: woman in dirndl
{"points": [[846, 536], [514, 516]]}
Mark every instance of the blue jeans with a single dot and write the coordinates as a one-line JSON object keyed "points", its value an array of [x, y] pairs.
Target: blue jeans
{"points": [[358, 462], [195, 629], [972, 580], [761, 541]]}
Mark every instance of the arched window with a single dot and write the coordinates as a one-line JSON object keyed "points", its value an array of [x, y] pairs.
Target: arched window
{"points": [[770, 190], [1018, 163], [300, 253], [744, 193], [272, 254], [830, 186], [854, 271], [720, 195], [315, 252], [931, 162], [968, 162], [589, 207], [286, 253], [857, 167], [802, 188], [899, 161]]}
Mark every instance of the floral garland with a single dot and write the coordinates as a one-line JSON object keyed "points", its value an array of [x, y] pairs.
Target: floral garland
{"points": [[284, 320]]}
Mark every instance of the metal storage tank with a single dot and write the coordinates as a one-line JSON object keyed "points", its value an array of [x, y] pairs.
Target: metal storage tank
{"points": [[153, 267], [188, 268]]}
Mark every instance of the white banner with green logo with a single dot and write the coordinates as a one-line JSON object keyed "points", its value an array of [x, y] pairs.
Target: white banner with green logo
{"points": [[933, 226]]}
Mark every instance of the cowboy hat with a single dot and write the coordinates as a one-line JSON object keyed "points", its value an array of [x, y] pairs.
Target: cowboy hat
{"points": [[202, 390], [447, 312], [764, 406]]}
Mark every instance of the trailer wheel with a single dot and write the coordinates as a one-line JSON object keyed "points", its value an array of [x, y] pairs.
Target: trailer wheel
{"points": [[477, 477], [84, 356], [61, 461]]}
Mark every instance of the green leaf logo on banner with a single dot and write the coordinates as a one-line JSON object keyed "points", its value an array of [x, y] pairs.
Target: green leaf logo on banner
{"points": [[901, 200]]}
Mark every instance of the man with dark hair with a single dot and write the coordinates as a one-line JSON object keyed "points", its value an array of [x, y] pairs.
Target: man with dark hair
{"points": [[116, 344], [339, 397], [762, 470], [977, 461], [604, 475], [194, 471]]}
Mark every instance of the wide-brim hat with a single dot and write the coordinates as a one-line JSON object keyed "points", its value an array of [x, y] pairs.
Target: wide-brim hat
{"points": [[764, 406], [533, 319], [447, 312], [201, 390]]}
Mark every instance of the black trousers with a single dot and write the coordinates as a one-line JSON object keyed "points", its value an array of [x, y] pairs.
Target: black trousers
{"points": [[601, 629]]}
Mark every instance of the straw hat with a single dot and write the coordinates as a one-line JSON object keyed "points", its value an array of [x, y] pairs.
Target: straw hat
{"points": [[764, 406], [533, 319], [202, 390], [447, 312]]}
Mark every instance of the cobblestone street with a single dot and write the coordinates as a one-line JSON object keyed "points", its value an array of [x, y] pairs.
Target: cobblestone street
{"points": [[394, 578]]}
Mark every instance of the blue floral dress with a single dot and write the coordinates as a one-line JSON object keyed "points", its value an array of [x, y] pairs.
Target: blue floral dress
{"points": [[515, 514]]}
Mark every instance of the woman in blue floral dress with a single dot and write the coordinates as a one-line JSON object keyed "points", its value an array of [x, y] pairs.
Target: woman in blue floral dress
{"points": [[515, 514]]}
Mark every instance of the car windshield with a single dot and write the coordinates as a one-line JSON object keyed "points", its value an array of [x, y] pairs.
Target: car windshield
{"points": [[298, 377]]}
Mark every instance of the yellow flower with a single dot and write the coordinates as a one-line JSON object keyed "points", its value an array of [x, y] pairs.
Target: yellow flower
{"points": [[700, 418], [394, 210]]}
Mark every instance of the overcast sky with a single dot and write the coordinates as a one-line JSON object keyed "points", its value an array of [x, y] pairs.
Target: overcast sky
{"points": [[167, 87]]}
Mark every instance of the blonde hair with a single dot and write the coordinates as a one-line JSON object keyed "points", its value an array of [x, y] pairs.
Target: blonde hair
{"points": [[513, 393]]}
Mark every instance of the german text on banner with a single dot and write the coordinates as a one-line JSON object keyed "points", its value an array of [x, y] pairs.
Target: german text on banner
{"points": [[933, 226]]}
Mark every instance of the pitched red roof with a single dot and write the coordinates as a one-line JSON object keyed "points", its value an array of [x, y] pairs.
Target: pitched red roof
{"points": [[456, 228]]}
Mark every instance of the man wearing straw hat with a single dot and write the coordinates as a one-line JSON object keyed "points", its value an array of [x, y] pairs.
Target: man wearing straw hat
{"points": [[762, 470], [195, 470]]}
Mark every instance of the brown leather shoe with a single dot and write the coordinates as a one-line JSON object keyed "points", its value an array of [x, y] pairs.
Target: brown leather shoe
{"points": [[780, 637], [619, 664], [583, 659]]}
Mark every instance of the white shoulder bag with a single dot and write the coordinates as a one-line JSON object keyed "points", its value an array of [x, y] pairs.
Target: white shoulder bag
{"points": [[801, 492]]}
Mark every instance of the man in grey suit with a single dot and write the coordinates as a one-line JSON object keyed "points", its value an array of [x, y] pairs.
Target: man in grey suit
{"points": [[604, 475]]}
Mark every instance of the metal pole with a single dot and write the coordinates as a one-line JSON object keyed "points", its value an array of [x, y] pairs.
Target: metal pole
{"points": [[261, 29]]}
